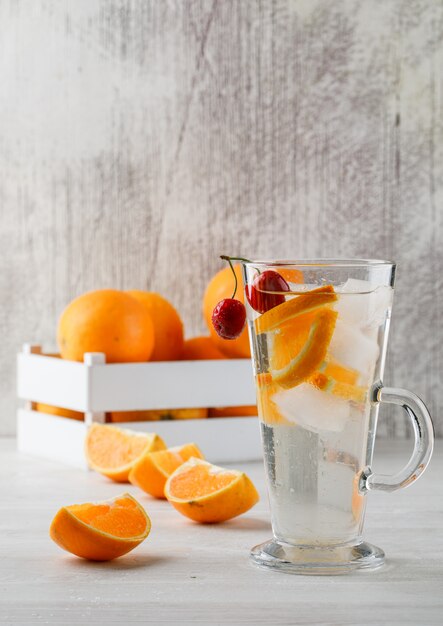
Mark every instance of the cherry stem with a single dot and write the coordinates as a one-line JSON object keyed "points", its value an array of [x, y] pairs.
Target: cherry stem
{"points": [[229, 259]]}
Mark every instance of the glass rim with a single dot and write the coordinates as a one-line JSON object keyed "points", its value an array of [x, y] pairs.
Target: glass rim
{"points": [[327, 262]]}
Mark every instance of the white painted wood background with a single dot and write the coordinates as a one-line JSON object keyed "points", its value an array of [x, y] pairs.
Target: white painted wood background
{"points": [[140, 139]]}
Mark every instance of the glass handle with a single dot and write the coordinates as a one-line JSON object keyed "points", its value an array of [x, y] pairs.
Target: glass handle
{"points": [[423, 445]]}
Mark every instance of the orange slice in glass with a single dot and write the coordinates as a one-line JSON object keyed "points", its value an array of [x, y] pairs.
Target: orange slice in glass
{"points": [[101, 531], [285, 343], [311, 355], [339, 372], [358, 499], [267, 409], [312, 300], [346, 391]]}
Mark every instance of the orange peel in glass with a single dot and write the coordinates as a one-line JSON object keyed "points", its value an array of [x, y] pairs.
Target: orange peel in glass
{"points": [[267, 409], [311, 355], [312, 300], [339, 372], [346, 391]]}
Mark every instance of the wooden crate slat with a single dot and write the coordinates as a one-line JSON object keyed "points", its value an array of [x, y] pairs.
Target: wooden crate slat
{"points": [[171, 385], [51, 437], [52, 381]]}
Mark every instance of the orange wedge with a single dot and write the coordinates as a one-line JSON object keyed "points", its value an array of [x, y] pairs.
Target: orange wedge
{"points": [[153, 469], [268, 410], [101, 531], [113, 451], [312, 354], [343, 390], [206, 493], [312, 300]]}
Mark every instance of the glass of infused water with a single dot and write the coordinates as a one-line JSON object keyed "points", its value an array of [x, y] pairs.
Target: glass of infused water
{"points": [[318, 332]]}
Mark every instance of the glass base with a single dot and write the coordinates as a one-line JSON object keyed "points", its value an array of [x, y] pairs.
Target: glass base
{"points": [[314, 560]]}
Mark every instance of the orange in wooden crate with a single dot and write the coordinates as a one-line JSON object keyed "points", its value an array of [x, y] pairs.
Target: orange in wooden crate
{"points": [[57, 410], [219, 287], [291, 275], [107, 321], [207, 493], [155, 415], [201, 348], [234, 411], [113, 451], [101, 531], [153, 469], [168, 327]]}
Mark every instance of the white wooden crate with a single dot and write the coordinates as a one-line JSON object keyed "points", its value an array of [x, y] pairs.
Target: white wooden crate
{"points": [[94, 388]]}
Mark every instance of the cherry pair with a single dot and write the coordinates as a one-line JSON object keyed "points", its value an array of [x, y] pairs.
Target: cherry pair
{"points": [[229, 315]]}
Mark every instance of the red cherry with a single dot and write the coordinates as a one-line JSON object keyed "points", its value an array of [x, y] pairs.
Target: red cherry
{"points": [[228, 318], [269, 280]]}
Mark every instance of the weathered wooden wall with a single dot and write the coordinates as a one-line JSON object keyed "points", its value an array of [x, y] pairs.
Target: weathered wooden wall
{"points": [[140, 139]]}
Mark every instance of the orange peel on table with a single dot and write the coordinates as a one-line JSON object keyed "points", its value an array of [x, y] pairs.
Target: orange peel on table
{"points": [[208, 494], [153, 469], [113, 451], [101, 531]]}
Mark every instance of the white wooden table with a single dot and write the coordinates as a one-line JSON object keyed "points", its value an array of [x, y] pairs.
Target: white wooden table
{"points": [[190, 574]]}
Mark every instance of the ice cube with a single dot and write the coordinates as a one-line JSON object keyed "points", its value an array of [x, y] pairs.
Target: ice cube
{"points": [[382, 304], [361, 304], [355, 285], [313, 409], [352, 348], [354, 305]]}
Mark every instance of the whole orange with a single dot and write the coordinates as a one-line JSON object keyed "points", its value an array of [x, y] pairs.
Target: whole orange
{"points": [[221, 286], [168, 327], [108, 321], [201, 348]]}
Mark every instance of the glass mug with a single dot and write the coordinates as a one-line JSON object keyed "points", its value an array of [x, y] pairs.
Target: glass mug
{"points": [[318, 347]]}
